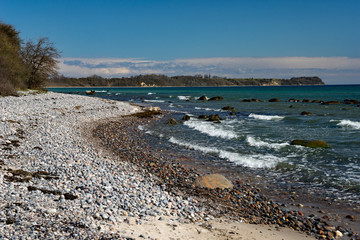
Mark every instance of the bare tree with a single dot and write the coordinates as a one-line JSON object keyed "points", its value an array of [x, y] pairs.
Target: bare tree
{"points": [[41, 60]]}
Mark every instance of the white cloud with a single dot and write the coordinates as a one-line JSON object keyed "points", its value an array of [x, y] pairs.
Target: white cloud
{"points": [[330, 69]]}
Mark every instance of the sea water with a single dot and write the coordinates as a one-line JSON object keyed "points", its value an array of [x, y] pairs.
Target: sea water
{"points": [[258, 136]]}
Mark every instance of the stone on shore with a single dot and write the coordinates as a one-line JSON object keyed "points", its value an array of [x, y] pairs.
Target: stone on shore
{"points": [[213, 181]]}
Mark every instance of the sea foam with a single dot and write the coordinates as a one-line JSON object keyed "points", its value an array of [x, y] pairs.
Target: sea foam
{"points": [[266, 117], [207, 109], [210, 129], [184, 98], [154, 101], [252, 161], [259, 143], [347, 124]]}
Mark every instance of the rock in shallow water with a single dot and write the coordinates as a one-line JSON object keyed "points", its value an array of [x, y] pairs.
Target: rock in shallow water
{"points": [[213, 181], [310, 144]]}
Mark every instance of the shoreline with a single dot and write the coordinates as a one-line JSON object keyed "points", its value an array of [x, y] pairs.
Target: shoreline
{"points": [[55, 182], [216, 196]]}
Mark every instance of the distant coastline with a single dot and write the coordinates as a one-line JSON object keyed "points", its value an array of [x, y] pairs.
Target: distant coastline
{"points": [[178, 81]]}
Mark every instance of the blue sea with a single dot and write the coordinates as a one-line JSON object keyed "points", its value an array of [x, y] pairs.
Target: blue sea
{"points": [[257, 138]]}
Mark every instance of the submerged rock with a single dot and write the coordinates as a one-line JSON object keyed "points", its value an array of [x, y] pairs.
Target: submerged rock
{"points": [[217, 98], [228, 108], [186, 118], [351, 101], [251, 100], [213, 181], [172, 121], [214, 118], [331, 102], [203, 117], [306, 113], [311, 144], [202, 98], [274, 100]]}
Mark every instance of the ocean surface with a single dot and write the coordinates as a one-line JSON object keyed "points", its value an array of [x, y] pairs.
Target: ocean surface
{"points": [[257, 138]]}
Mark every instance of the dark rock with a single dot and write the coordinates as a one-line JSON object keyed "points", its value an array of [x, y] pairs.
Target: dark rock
{"points": [[202, 98], [351, 217], [147, 114], [330, 102], [214, 118], [291, 106], [317, 101], [251, 100], [310, 144], [203, 117], [217, 98], [351, 101], [306, 113], [232, 113], [91, 92], [228, 108], [274, 100], [172, 121], [306, 101], [186, 118]]}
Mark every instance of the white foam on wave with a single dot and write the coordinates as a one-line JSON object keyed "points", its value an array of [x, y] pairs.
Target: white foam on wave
{"points": [[141, 127], [184, 98], [252, 161], [259, 143], [208, 109], [347, 124], [154, 101], [210, 129], [266, 117], [150, 93]]}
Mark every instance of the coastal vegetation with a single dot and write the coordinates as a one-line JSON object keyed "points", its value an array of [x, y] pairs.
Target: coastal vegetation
{"points": [[24, 65], [154, 80]]}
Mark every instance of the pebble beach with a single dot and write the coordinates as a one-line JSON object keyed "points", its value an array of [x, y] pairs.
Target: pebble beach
{"points": [[59, 182]]}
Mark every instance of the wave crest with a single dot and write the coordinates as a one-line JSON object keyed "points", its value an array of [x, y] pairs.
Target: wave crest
{"points": [[252, 161], [266, 117], [258, 143], [347, 124], [210, 129]]}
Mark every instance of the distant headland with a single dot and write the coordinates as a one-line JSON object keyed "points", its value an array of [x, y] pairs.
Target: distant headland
{"points": [[153, 80]]}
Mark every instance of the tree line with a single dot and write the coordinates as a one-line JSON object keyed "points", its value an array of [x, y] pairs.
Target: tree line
{"points": [[24, 65], [155, 80]]}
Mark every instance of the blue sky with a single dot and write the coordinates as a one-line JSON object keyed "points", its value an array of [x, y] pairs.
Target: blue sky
{"points": [[227, 38]]}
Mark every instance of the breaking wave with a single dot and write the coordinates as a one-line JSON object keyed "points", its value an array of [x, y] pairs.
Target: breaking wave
{"points": [[252, 161], [210, 129], [266, 117], [259, 143]]}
